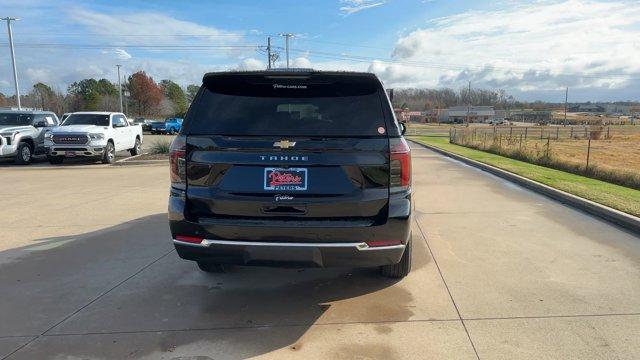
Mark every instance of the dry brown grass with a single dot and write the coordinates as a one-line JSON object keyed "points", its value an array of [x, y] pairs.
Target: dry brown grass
{"points": [[581, 118], [616, 160], [620, 153]]}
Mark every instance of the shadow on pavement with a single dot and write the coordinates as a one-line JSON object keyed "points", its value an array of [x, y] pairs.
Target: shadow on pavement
{"points": [[124, 283]]}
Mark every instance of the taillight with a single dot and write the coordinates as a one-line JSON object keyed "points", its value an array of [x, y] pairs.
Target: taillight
{"points": [[379, 243], [400, 164], [177, 161], [189, 239]]}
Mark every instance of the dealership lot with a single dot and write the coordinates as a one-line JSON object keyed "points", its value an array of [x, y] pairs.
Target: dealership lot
{"points": [[88, 270]]}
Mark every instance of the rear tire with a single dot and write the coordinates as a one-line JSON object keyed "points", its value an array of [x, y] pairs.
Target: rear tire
{"points": [[55, 160], [136, 148], [210, 267], [401, 269], [24, 154], [109, 154]]}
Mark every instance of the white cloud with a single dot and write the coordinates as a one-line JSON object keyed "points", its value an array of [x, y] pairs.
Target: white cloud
{"points": [[251, 64], [148, 26], [301, 62], [122, 54], [539, 46], [354, 6], [42, 75]]}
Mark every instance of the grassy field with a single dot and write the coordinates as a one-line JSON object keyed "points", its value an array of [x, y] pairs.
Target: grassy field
{"points": [[612, 159], [615, 196], [613, 154]]}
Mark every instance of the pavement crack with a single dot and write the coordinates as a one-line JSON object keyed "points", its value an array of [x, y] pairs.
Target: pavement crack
{"points": [[570, 316], [245, 327], [89, 303], [424, 237]]}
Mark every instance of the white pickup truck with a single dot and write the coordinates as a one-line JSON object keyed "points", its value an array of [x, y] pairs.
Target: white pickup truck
{"points": [[93, 134]]}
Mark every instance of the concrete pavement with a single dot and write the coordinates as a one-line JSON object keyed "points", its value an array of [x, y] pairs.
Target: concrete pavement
{"points": [[497, 270]]}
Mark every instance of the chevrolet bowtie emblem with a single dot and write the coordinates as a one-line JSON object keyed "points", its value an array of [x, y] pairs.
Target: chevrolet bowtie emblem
{"points": [[284, 144]]}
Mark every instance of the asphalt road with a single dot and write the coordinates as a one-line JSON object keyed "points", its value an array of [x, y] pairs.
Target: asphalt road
{"points": [[499, 273]]}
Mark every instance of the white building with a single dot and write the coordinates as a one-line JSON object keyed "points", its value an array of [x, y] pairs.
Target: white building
{"points": [[611, 109], [461, 114]]}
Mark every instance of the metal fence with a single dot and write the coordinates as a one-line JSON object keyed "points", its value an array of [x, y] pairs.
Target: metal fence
{"points": [[608, 153], [531, 132]]}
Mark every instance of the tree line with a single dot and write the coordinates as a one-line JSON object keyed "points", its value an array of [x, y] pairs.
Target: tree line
{"points": [[429, 99], [146, 97]]}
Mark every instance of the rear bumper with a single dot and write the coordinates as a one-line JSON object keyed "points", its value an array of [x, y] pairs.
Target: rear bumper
{"points": [[290, 254], [292, 243]]}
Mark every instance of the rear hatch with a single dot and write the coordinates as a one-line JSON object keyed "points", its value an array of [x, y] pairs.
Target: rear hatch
{"points": [[305, 149]]}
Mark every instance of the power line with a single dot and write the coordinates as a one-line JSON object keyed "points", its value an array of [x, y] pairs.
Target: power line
{"points": [[345, 45], [102, 46], [140, 35], [426, 64], [315, 53]]}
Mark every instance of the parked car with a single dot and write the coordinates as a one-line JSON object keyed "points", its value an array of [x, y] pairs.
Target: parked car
{"points": [[93, 134], [169, 126], [498, 122], [146, 126], [22, 133], [304, 168], [64, 116]]}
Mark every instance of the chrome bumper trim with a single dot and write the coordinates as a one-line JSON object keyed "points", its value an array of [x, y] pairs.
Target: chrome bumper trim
{"points": [[361, 246]]}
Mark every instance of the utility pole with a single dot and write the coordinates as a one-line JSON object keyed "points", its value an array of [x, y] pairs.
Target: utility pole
{"points": [[269, 53], [125, 95], [13, 59], [286, 44], [566, 98], [119, 86], [469, 103]]}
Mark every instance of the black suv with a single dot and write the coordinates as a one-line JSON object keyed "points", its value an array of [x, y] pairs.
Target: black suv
{"points": [[292, 168]]}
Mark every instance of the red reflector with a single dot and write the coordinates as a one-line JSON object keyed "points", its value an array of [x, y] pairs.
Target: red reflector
{"points": [[189, 239], [376, 243]]}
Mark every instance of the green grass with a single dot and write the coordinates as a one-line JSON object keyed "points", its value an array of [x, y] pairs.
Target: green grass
{"points": [[615, 196], [161, 146]]}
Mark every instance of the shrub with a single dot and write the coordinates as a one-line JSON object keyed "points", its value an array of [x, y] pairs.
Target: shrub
{"points": [[161, 146]]}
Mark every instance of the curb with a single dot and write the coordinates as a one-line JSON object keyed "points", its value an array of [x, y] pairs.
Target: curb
{"points": [[622, 219], [132, 161]]}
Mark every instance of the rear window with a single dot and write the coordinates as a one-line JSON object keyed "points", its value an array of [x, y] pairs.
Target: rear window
{"points": [[288, 106]]}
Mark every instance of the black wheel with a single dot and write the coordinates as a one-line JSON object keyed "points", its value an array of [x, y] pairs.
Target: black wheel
{"points": [[55, 160], [109, 154], [23, 155], [401, 269], [210, 267], [136, 148], [172, 131]]}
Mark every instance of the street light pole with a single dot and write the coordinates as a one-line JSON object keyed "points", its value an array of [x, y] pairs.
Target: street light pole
{"points": [[119, 86], [286, 45], [13, 60]]}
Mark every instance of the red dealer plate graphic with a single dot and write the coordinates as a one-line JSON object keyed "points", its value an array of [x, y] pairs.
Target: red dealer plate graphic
{"points": [[292, 179]]}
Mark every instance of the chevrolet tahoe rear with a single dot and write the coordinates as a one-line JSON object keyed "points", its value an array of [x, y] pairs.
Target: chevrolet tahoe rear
{"points": [[292, 169]]}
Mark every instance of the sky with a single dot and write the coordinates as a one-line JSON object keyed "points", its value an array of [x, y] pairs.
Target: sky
{"points": [[532, 49]]}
